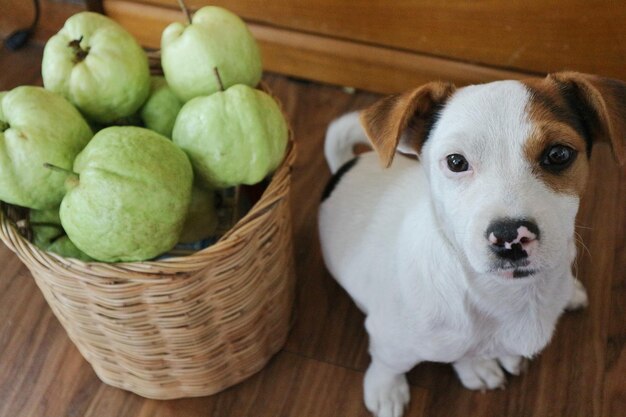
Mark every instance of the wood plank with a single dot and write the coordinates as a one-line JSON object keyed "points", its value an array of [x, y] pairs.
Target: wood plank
{"points": [[320, 58], [364, 66], [614, 398], [45, 371], [290, 386], [528, 35]]}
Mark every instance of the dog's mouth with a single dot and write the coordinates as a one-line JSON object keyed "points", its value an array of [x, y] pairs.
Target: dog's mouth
{"points": [[515, 273], [518, 269]]}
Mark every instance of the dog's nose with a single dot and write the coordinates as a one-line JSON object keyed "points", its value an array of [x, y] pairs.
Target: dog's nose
{"points": [[512, 239]]}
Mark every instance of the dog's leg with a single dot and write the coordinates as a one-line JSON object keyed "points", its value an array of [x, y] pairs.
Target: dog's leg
{"points": [[578, 298], [480, 373], [386, 390]]}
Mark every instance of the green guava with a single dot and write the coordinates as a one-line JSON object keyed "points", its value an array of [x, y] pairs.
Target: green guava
{"points": [[98, 66], [216, 38], [160, 110], [64, 247], [48, 235], [46, 227], [37, 126], [234, 137], [130, 195]]}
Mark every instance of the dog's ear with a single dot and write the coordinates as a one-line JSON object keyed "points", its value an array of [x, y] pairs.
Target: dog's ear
{"points": [[601, 104], [402, 121]]}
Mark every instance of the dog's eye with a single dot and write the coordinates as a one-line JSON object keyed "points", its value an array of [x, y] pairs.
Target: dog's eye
{"points": [[457, 163], [558, 157]]}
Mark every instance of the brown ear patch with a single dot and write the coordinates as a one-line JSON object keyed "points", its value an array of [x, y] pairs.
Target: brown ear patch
{"points": [[406, 117], [601, 105], [556, 123]]}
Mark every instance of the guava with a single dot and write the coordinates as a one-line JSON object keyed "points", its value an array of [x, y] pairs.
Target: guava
{"points": [[233, 137], [129, 196], [216, 38], [48, 235], [37, 126], [160, 110], [98, 66]]}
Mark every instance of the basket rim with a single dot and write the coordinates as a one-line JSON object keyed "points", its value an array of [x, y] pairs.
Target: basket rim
{"points": [[168, 266]]}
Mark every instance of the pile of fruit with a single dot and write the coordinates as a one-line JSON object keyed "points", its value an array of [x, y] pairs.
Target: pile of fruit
{"points": [[146, 179]]}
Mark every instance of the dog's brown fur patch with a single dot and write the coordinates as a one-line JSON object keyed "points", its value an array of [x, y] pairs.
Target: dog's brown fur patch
{"points": [[412, 112], [555, 123]]}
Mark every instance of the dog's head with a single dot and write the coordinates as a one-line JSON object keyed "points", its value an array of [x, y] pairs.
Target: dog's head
{"points": [[507, 161]]}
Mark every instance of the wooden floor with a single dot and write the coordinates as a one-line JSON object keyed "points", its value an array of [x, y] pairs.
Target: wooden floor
{"points": [[319, 372]]}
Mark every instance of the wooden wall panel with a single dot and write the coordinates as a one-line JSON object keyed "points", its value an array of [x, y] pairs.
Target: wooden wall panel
{"points": [[528, 35], [18, 14], [370, 45], [320, 58]]}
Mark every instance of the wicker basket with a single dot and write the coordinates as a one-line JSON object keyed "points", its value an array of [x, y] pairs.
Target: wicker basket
{"points": [[180, 327]]}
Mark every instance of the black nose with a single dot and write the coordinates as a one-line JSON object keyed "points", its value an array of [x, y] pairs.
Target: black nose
{"points": [[512, 239]]}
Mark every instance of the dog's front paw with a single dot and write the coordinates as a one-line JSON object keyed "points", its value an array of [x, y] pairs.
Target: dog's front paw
{"points": [[579, 297], [515, 365], [480, 374], [386, 394]]}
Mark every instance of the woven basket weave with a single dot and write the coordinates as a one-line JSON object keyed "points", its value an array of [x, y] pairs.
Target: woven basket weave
{"points": [[180, 327]]}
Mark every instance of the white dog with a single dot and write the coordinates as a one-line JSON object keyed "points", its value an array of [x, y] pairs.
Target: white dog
{"points": [[461, 250]]}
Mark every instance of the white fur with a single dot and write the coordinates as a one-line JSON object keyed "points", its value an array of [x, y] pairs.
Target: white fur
{"points": [[341, 136], [408, 244]]}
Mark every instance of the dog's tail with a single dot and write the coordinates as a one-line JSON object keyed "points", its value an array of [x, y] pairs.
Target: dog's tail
{"points": [[341, 137]]}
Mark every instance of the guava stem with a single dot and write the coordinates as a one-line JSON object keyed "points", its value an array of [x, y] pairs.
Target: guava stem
{"points": [[72, 180], [219, 79], [185, 10], [59, 169], [79, 53]]}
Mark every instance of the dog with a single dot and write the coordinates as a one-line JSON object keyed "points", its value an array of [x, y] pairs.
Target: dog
{"points": [[456, 237]]}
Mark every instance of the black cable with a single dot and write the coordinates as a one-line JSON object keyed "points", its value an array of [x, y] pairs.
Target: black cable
{"points": [[19, 38]]}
